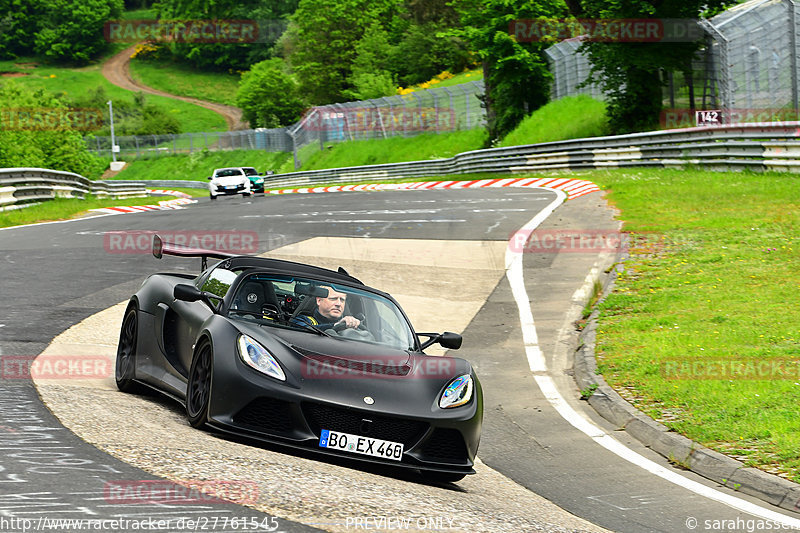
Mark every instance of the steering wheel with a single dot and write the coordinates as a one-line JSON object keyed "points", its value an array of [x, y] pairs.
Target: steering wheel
{"points": [[362, 326]]}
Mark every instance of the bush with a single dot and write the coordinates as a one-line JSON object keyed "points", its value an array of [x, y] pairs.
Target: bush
{"points": [[135, 117], [268, 96], [58, 147]]}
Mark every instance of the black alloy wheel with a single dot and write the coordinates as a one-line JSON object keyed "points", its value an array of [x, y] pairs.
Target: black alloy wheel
{"points": [[124, 372], [198, 390]]}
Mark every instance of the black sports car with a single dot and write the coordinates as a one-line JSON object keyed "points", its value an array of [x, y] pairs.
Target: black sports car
{"points": [[303, 356]]}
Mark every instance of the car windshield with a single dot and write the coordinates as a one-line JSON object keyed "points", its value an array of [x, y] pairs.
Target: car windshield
{"points": [[229, 172], [321, 308], [250, 171]]}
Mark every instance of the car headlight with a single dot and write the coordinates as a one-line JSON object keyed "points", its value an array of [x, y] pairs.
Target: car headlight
{"points": [[260, 181], [256, 356], [457, 393]]}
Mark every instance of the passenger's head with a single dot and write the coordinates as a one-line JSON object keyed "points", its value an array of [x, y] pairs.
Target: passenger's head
{"points": [[332, 306]]}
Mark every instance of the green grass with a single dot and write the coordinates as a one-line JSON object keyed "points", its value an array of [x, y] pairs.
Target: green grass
{"points": [[391, 150], [573, 117], [199, 165], [68, 208], [75, 82], [712, 282], [182, 80]]}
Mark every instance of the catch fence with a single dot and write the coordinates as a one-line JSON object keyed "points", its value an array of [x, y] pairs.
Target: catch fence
{"points": [[437, 110], [746, 66]]}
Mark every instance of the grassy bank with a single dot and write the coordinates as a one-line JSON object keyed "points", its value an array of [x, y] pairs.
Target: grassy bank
{"points": [[182, 80], [67, 208], [573, 117], [391, 150], [199, 165], [77, 82], [701, 331]]}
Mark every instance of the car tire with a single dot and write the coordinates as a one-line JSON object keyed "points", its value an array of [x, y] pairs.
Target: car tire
{"points": [[245, 194], [198, 388], [125, 367], [442, 477]]}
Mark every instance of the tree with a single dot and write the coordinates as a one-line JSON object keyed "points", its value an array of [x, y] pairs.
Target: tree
{"points": [[73, 30], [266, 19], [268, 96], [371, 76], [426, 49], [60, 30], [516, 75], [321, 44], [629, 72]]}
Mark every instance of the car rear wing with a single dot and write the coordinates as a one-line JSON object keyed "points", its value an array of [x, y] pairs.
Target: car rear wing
{"points": [[160, 248]]}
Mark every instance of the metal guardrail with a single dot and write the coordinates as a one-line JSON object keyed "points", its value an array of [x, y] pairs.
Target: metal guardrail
{"points": [[756, 147], [27, 185], [733, 147]]}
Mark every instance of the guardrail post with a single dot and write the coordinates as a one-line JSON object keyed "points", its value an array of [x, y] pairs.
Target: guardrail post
{"points": [[794, 19]]}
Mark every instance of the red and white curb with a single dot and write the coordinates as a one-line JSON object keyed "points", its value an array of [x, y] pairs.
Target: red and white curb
{"points": [[178, 203], [168, 192], [572, 187]]}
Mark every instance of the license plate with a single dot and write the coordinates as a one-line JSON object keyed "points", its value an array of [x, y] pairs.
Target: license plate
{"points": [[231, 187], [347, 442]]}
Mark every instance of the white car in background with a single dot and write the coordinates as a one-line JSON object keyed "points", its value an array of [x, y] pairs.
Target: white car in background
{"points": [[226, 181]]}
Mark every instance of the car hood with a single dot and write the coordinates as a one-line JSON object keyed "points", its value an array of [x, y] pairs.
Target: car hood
{"points": [[348, 372], [228, 180]]}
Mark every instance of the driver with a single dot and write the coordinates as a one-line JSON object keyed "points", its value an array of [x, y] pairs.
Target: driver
{"points": [[330, 311]]}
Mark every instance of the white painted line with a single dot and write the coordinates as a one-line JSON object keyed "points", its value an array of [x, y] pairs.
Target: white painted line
{"points": [[538, 365]]}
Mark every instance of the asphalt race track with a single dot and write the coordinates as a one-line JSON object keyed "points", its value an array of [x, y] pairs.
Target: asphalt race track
{"points": [[56, 275]]}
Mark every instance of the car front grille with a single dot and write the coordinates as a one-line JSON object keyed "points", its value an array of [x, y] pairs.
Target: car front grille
{"points": [[266, 415], [221, 188], [344, 420], [445, 446]]}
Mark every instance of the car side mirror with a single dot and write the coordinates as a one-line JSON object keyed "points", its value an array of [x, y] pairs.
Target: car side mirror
{"points": [[448, 339], [189, 293], [210, 177]]}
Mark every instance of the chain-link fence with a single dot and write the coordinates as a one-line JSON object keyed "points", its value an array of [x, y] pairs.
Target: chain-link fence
{"points": [[754, 53], [747, 67], [438, 110], [570, 69], [136, 146]]}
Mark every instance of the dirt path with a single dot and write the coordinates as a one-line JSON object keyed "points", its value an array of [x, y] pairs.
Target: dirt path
{"points": [[117, 72]]}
